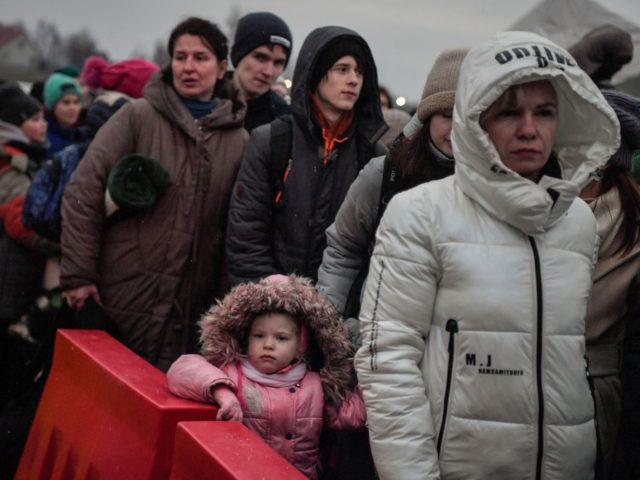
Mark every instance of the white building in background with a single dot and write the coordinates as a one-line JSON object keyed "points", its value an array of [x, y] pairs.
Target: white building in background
{"points": [[18, 56], [16, 48]]}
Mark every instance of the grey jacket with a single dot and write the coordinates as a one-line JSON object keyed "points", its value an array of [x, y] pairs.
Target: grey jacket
{"points": [[349, 237]]}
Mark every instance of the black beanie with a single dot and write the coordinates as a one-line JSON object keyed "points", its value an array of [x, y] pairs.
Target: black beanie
{"points": [[15, 105], [331, 53], [260, 28]]}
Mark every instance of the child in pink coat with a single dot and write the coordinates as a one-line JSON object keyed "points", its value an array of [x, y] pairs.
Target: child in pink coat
{"points": [[275, 356]]}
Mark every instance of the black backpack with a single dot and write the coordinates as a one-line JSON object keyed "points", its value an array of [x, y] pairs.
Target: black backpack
{"points": [[280, 159]]}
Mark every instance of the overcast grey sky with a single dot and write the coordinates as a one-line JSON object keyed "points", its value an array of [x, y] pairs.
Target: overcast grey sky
{"points": [[405, 35]]}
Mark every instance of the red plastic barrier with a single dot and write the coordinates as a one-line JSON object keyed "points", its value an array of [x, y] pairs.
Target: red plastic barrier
{"points": [[105, 413], [226, 451]]}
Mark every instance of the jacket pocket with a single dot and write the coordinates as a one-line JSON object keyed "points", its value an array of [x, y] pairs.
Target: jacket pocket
{"points": [[452, 328]]}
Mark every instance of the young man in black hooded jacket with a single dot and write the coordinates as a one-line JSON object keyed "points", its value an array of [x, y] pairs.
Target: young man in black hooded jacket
{"points": [[280, 207]]}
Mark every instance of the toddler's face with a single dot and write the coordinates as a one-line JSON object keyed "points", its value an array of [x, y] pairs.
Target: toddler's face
{"points": [[273, 342]]}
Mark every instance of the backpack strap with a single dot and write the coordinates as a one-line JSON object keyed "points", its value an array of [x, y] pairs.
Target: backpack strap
{"points": [[280, 155], [366, 151], [387, 189], [389, 178]]}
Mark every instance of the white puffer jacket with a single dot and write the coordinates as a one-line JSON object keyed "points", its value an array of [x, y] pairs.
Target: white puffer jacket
{"points": [[472, 363]]}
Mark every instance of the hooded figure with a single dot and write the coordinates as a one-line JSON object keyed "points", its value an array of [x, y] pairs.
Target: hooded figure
{"points": [[62, 99], [23, 150], [473, 317], [283, 231], [288, 408]]}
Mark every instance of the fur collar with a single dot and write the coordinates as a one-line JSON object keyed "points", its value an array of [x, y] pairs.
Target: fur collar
{"points": [[225, 325]]}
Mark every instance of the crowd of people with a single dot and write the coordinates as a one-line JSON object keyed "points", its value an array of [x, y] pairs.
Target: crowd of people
{"points": [[377, 295]]}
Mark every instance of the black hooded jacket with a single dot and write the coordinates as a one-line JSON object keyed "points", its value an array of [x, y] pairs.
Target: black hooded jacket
{"points": [[264, 238]]}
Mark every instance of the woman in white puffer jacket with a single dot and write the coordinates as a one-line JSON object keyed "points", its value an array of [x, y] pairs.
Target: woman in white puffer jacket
{"points": [[472, 364]]}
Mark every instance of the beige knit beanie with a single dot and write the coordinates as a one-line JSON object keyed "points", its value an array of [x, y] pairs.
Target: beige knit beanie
{"points": [[440, 89]]}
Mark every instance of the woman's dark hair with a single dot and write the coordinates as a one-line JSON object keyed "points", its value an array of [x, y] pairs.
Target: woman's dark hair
{"points": [[209, 32], [210, 35], [412, 158], [617, 177]]}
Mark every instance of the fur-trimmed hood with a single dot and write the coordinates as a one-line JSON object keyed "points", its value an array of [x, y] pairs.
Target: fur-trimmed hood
{"points": [[225, 326]]}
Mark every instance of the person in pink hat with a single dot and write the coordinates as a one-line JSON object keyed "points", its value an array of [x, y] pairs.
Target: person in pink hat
{"points": [[128, 76], [111, 86], [275, 356]]}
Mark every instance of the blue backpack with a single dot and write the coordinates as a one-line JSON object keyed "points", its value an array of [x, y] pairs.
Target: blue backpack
{"points": [[41, 210]]}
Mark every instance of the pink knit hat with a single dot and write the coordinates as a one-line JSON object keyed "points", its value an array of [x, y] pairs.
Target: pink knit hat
{"points": [[128, 76]]}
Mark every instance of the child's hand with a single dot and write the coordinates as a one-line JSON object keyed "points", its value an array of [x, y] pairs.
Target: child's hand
{"points": [[229, 405]]}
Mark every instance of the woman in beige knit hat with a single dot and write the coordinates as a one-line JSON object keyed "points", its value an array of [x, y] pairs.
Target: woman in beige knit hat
{"points": [[421, 156]]}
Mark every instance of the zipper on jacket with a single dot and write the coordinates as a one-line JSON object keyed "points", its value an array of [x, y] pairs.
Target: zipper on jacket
{"points": [[452, 328], [536, 260]]}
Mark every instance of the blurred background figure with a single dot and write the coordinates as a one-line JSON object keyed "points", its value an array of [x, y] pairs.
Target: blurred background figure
{"points": [[63, 99], [396, 118], [386, 102], [110, 87], [37, 88], [613, 337], [613, 355], [280, 89], [23, 149], [128, 77], [602, 52]]}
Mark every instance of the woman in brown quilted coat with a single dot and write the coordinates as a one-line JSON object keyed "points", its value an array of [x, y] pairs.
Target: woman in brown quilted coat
{"points": [[155, 271]]}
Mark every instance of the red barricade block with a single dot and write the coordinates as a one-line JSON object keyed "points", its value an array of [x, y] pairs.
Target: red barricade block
{"points": [[226, 451], [105, 414]]}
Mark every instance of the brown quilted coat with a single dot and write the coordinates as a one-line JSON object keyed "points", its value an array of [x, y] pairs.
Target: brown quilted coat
{"points": [[156, 272]]}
